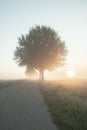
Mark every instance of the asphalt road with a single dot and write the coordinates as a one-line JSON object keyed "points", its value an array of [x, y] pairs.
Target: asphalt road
{"points": [[22, 108]]}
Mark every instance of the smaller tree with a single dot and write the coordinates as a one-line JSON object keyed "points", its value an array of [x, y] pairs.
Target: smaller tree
{"points": [[40, 49]]}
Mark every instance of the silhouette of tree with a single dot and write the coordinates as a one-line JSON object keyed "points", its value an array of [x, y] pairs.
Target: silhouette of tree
{"points": [[41, 48]]}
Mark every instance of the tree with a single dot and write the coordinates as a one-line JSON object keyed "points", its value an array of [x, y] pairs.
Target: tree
{"points": [[41, 48]]}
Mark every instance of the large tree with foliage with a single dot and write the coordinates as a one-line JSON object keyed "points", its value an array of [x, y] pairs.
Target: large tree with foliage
{"points": [[41, 48]]}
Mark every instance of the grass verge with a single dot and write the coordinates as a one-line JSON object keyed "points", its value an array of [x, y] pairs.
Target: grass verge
{"points": [[68, 107]]}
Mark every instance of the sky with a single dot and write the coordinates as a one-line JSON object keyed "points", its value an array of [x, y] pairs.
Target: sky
{"points": [[67, 17]]}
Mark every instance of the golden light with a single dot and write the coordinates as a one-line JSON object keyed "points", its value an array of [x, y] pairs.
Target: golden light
{"points": [[46, 75], [71, 73]]}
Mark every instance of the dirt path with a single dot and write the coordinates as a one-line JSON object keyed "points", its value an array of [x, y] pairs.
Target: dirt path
{"points": [[22, 108]]}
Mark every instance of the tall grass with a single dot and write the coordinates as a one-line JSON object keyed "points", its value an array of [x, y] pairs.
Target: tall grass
{"points": [[68, 107]]}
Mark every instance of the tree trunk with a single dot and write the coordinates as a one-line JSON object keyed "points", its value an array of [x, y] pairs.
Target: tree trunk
{"points": [[41, 75]]}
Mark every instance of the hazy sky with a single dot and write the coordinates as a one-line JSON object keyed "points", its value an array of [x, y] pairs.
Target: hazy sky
{"points": [[68, 17]]}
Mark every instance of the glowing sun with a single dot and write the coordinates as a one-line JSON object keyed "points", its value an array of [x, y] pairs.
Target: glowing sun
{"points": [[71, 73]]}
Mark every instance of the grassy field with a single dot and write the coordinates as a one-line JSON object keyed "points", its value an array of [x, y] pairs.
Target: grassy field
{"points": [[9, 83], [67, 103]]}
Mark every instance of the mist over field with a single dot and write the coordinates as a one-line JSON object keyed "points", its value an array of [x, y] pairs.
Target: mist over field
{"points": [[43, 65]]}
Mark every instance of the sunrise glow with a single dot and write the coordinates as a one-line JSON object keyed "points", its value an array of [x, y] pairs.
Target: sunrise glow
{"points": [[71, 73], [68, 18]]}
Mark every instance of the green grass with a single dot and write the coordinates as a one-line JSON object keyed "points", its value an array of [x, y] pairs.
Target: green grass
{"points": [[8, 83], [67, 105]]}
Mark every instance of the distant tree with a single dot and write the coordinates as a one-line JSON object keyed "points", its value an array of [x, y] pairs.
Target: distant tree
{"points": [[41, 48]]}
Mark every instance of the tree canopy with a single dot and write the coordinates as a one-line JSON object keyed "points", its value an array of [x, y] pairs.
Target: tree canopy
{"points": [[41, 48]]}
